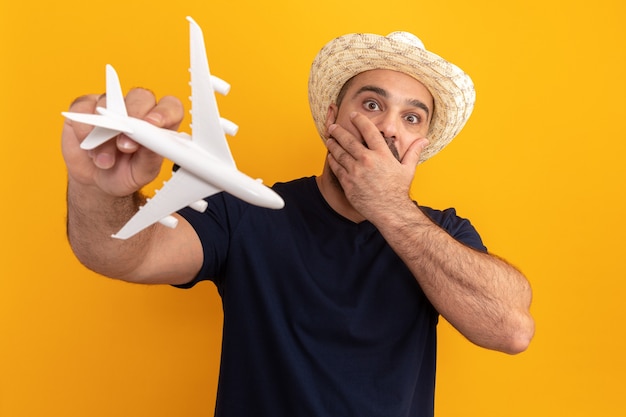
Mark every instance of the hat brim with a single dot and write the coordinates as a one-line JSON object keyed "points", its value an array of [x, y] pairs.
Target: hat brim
{"points": [[344, 57]]}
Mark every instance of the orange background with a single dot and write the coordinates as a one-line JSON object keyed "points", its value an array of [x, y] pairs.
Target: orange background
{"points": [[539, 170]]}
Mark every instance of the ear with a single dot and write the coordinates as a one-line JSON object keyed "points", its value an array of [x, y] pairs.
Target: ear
{"points": [[331, 116]]}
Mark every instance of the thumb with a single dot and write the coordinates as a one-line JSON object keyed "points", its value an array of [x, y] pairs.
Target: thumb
{"points": [[412, 155]]}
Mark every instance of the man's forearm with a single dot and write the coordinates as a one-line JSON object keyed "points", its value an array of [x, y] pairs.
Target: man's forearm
{"points": [[484, 297], [91, 220]]}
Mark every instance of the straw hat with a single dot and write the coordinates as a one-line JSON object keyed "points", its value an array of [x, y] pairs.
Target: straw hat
{"points": [[349, 55]]}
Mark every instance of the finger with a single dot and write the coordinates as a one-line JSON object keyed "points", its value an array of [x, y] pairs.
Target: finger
{"points": [[336, 167], [337, 142], [103, 156], [168, 113], [125, 144], [412, 156], [374, 140], [82, 104], [346, 142], [101, 101], [139, 102]]}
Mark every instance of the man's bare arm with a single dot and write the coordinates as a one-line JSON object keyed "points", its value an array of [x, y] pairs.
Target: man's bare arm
{"points": [[481, 295], [485, 298], [103, 193]]}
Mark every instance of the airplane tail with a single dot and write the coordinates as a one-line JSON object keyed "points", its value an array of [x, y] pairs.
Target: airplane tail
{"points": [[115, 97], [105, 127]]}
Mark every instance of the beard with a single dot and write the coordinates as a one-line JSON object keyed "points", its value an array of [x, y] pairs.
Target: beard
{"points": [[391, 144], [392, 147], [334, 181]]}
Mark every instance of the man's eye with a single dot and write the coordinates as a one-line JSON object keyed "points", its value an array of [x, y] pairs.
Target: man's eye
{"points": [[371, 105], [413, 118]]}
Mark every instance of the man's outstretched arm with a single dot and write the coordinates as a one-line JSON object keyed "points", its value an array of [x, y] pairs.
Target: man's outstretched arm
{"points": [[103, 193]]}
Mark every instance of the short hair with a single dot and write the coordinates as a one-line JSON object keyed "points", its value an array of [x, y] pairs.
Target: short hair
{"points": [[344, 89]]}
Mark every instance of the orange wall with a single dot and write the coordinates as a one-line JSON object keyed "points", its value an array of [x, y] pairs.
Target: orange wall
{"points": [[539, 169]]}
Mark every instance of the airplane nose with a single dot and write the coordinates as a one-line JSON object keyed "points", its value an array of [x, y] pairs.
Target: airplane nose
{"points": [[277, 202]]}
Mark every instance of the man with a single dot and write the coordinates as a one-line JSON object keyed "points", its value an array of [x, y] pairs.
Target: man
{"points": [[330, 304]]}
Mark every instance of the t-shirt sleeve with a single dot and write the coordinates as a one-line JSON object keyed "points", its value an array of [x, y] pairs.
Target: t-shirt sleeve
{"points": [[459, 228], [213, 228]]}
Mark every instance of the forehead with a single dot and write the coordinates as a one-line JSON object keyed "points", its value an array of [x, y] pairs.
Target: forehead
{"points": [[397, 84]]}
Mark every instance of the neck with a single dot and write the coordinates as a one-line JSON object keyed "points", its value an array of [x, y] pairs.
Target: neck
{"points": [[334, 195]]}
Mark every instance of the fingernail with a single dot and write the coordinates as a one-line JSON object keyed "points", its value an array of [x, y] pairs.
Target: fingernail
{"points": [[154, 118], [331, 128], [126, 144], [103, 161]]}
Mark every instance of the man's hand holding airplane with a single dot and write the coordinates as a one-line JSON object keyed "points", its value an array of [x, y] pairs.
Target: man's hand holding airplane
{"points": [[125, 150], [120, 167]]}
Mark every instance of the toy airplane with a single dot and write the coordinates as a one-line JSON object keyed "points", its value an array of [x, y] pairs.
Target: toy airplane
{"points": [[206, 165]]}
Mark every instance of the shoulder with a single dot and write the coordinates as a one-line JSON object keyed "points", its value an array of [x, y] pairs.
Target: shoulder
{"points": [[295, 187], [458, 227]]}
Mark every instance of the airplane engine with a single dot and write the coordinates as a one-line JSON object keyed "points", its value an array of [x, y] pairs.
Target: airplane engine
{"points": [[169, 221], [199, 205], [229, 127], [220, 85]]}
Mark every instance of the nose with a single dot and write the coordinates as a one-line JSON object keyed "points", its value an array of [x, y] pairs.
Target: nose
{"points": [[387, 125]]}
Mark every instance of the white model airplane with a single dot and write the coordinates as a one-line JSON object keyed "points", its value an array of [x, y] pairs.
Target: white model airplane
{"points": [[206, 165]]}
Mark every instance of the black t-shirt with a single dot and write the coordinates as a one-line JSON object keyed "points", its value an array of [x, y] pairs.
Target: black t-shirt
{"points": [[321, 317]]}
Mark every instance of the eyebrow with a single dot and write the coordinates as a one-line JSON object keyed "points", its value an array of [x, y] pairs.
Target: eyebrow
{"points": [[383, 93]]}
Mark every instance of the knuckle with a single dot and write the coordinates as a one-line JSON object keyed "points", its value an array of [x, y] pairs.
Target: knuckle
{"points": [[87, 101], [172, 107], [141, 92]]}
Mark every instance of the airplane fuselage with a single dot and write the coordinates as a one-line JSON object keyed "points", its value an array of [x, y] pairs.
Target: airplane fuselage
{"points": [[179, 149]]}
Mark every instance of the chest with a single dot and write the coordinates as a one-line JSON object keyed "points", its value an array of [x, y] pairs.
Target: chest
{"points": [[343, 282]]}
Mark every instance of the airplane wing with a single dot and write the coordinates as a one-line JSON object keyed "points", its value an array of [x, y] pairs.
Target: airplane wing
{"points": [[98, 120], [180, 191], [206, 127]]}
